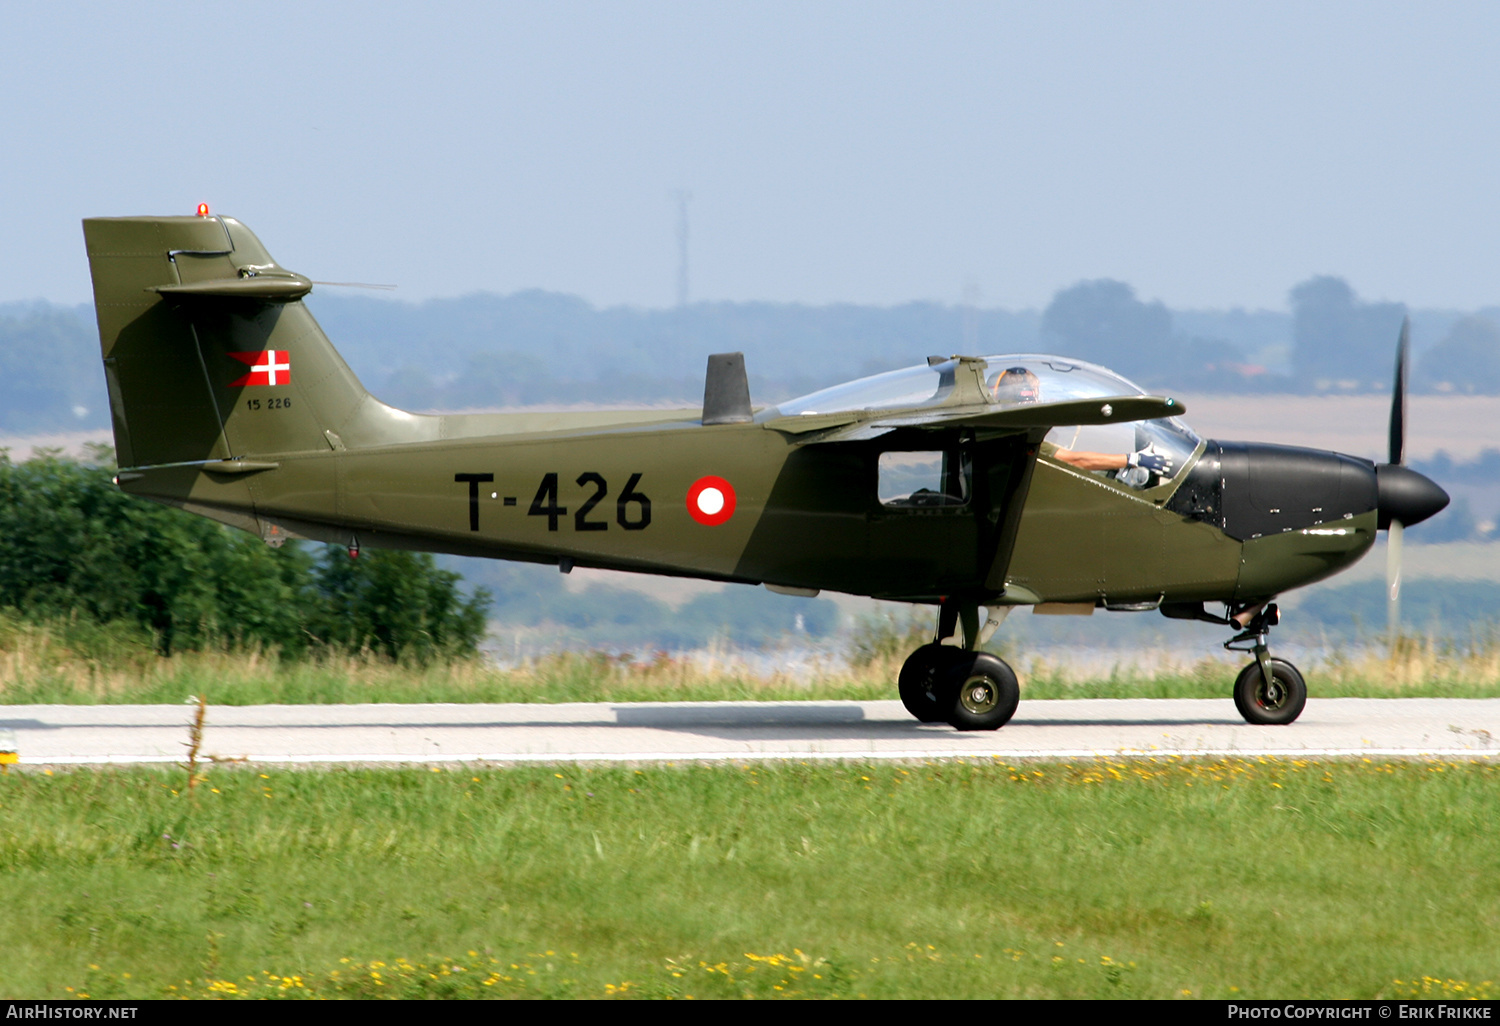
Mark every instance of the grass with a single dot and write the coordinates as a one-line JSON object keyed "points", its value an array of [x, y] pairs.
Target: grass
{"points": [[40, 668], [1160, 879], [72, 663], [1415, 667]]}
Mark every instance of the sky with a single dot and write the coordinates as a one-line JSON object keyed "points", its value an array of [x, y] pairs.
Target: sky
{"points": [[1210, 154]]}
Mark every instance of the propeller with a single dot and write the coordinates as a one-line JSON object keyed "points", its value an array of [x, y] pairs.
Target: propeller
{"points": [[1398, 457], [1404, 497]]}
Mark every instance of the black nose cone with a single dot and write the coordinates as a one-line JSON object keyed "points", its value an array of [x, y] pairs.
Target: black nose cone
{"points": [[1406, 495]]}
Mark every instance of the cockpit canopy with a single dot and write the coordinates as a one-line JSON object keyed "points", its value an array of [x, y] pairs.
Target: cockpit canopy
{"points": [[1011, 380], [1053, 379]]}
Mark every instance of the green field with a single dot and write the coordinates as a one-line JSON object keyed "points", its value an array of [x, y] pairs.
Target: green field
{"points": [[1154, 879]]}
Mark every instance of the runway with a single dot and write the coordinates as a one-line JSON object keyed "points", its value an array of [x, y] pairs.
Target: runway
{"points": [[58, 735]]}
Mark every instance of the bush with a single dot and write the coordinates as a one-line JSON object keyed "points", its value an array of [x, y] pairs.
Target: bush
{"points": [[72, 544], [396, 603], [890, 636]]}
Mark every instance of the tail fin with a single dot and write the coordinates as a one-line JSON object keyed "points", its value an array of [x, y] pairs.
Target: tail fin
{"points": [[210, 354]]}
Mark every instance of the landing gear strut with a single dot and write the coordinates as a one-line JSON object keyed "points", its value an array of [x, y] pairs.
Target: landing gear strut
{"points": [[1268, 691], [971, 690]]}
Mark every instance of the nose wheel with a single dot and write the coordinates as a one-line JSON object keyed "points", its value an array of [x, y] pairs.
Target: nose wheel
{"points": [[1268, 692], [1273, 701]]}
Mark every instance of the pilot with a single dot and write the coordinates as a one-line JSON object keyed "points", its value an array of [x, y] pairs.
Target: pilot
{"points": [[1020, 385], [1016, 385]]}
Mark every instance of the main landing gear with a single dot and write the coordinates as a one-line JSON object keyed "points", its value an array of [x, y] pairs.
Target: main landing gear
{"points": [[1268, 691], [971, 690]]}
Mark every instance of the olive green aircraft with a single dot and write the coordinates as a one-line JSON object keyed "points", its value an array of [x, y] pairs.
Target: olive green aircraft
{"points": [[975, 484]]}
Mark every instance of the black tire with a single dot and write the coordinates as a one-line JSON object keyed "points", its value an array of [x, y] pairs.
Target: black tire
{"points": [[925, 683], [1279, 704], [985, 692]]}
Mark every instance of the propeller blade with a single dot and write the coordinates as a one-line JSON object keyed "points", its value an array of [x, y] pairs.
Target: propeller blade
{"points": [[1393, 581], [1398, 396]]}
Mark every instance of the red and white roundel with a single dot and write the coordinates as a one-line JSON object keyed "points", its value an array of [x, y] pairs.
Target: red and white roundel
{"points": [[711, 500]]}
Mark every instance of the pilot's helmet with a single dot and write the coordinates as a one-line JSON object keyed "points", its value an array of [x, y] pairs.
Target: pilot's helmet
{"points": [[1017, 385]]}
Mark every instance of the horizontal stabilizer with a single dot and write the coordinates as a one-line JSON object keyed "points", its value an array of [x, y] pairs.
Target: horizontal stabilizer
{"points": [[262, 287]]}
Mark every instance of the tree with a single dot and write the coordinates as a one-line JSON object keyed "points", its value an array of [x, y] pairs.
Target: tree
{"points": [[1466, 360], [50, 375], [73, 544], [1339, 341], [1103, 322], [398, 604]]}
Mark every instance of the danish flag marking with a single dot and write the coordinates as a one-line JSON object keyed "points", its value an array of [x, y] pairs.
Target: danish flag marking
{"points": [[267, 367]]}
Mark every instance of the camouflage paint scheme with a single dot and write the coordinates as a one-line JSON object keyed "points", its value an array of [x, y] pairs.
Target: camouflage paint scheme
{"points": [[319, 457]]}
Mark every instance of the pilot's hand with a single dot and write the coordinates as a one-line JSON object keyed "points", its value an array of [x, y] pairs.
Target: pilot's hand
{"points": [[1154, 462]]}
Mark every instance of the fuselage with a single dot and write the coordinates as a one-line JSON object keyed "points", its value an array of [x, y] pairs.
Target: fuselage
{"points": [[964, 477], [1229, 526]]}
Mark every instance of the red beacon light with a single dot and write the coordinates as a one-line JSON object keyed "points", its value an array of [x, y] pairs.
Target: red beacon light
{"points": [[202, 209]]}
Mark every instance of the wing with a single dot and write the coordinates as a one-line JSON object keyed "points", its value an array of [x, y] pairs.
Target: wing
{"points": [[860, 425]]}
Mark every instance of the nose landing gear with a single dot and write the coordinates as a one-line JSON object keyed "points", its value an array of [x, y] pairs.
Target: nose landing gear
{"points": [[1269, 691], [970, 690]]}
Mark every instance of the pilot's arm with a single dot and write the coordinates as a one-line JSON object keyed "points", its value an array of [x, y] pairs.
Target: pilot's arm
{"points": [[1091, 460], [1154, 462]]}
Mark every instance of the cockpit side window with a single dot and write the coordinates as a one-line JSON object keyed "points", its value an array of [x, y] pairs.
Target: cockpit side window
{"points": [[925, 479], [1143, 454]]}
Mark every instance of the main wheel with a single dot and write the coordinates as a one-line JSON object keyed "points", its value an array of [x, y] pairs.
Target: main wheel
{"points": [[987, 692], [924, 683], [1278, 702]]}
